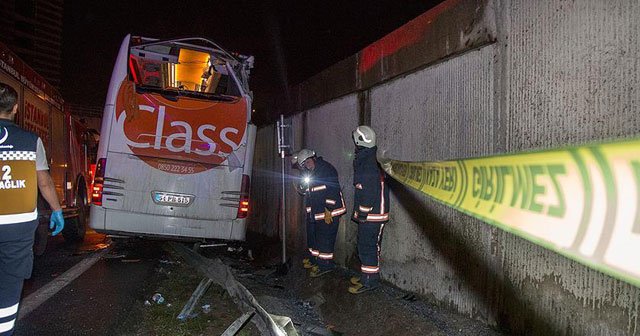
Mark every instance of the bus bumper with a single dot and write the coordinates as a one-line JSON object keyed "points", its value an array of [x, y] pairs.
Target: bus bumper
{"points": [[111, 221]]}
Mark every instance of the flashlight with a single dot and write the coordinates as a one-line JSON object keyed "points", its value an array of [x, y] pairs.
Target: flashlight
{"points": [[306, 179]]}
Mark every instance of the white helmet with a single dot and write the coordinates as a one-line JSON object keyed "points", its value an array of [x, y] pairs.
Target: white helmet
{"points": [[364, 136], [304, 154]]}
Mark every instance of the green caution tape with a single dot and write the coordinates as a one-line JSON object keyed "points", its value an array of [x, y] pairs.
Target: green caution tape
{"points": [[581, 202]]}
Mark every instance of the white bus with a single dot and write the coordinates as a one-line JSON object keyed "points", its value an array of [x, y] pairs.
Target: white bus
{"points": [[177, 143]]}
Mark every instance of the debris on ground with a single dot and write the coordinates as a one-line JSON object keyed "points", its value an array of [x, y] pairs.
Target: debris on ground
{"points": [[130, 260], [212, 245], [206, 308], [250, 255], [317, 299], [101, 246], [175, 281], [157, 298], [222, 274], [234, 249], [168, 262], [114, 256], [316, 306], [323, 306], [91, 249]]}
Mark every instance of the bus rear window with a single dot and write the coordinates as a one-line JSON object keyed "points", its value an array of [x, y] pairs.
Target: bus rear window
{"points": [[181, 72]]}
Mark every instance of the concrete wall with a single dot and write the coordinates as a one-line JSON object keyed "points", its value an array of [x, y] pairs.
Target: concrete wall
{"points": [[472, 78], [442, 112]]}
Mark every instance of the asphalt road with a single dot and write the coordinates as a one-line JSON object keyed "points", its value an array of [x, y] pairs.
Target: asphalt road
{"points": [[59, 257], [101, 300]]}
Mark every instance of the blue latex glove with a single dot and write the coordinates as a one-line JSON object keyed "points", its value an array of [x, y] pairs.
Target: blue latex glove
{"points": [[57, 222]]}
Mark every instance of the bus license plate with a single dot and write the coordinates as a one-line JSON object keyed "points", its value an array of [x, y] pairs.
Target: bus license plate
{"points": [[172, 199]]}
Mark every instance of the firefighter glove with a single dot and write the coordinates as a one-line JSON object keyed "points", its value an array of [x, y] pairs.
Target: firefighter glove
{"points": [[327, 216], [57, 222]]}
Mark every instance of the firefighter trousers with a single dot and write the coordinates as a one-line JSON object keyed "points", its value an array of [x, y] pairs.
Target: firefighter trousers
{"points": [[325, 241], [369, 244], [312, 250]]}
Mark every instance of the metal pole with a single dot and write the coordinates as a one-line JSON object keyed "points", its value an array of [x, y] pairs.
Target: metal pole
{"points": [[284, 198]]}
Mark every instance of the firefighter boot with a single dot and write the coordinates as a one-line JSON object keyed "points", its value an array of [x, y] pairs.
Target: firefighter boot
{"points": [[369, 282], [306, 263], [314, 268], [354, 280]]}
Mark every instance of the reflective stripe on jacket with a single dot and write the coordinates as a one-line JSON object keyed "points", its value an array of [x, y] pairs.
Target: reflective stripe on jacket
{"points": [[324, 191]]}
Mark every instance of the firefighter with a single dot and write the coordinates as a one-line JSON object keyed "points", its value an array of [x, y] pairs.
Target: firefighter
{"points": [[24, 168], [325, 205], [302, 188], [370, 209]]}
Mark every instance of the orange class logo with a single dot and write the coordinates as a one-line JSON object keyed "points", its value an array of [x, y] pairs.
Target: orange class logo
{"points": [[183, 137]]}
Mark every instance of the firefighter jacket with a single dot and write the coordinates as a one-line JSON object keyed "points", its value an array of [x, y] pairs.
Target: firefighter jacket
{"points": [[371, 198], [18, 178], [324, 191]]}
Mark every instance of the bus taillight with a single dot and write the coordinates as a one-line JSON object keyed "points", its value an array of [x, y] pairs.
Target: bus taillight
{"points": [[98, 182], [243, 206], [133, 68]]}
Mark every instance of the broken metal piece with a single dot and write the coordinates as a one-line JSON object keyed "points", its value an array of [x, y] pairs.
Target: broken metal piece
{"points": [[239, 323], [222, 275], [285, 323], [213, 245], [195, 297]]}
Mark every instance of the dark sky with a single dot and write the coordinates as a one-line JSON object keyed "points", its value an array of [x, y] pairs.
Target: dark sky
{"points": [[290, 39]]}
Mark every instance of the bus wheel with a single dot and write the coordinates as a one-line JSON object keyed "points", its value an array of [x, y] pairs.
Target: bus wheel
{"points": [[75, 228]]}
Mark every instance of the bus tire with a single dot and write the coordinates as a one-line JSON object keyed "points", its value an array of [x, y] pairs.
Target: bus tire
{"points": [[76, 228]]}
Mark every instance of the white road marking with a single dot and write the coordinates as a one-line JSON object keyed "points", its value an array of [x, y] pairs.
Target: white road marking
{"points": [[33, 301]]}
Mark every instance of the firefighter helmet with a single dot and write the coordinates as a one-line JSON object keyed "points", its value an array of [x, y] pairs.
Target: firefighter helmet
{"points": [[364, 136], [304, 154]]}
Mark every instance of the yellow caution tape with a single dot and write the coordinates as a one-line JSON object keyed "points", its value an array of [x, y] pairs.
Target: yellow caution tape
{"points": [[582, 202]]}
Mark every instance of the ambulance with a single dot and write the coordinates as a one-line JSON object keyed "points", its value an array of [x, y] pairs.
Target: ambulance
{"points": [[177, 142]]}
